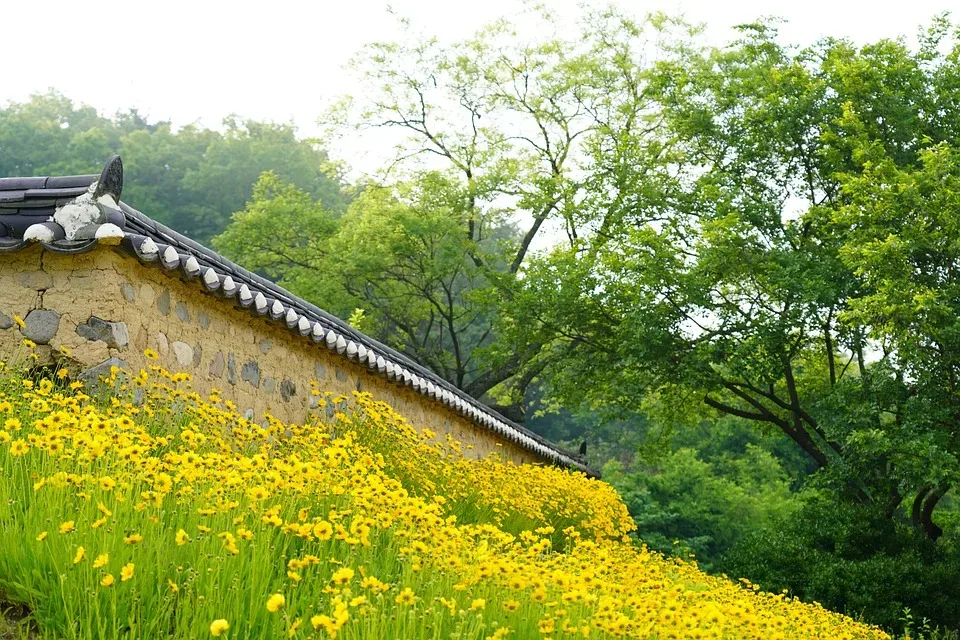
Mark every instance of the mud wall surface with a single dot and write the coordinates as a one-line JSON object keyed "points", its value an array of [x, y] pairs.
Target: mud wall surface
{"points": [[103, 305]]}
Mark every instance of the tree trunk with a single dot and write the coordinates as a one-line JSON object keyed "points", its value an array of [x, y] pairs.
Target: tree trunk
{"points": [[917, 505], [893, 503], [926, 513], [831, 363]]}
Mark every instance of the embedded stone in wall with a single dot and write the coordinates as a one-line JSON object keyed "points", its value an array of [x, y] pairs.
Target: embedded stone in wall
{"points": [[320, 371], [288, 389], [128, 293], [5, 321], [341, 374], [183, 352], [231, 369], [182, 312], [42, 325], [163, 302], [163, 344], [115, 334], [197, 354], [265, 345], [216, 367], [146, 294], [269, 385], [204, 318], [251, 373]]}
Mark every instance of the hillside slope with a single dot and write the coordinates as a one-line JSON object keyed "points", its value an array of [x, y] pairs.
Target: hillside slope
{"points": [[150, 512]]}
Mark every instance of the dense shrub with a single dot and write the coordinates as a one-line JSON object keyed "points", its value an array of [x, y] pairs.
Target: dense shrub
{"points": [[856, 560], [687, 504]]}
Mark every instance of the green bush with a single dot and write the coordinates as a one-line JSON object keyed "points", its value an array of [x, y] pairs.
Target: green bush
{"points": [[687, 505], [855, 560]]}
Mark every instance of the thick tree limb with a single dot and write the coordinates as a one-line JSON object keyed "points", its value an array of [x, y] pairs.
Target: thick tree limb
{"points": [[783, 404], [930, 527], [763, 414], [740, 413], [918, 505]]}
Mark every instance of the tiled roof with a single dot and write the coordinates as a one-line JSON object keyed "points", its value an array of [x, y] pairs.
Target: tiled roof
{"points": [[25, 201], [73, 214]]}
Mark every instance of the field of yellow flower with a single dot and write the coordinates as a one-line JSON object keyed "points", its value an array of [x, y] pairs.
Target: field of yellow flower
{"points": [[142, 510]]}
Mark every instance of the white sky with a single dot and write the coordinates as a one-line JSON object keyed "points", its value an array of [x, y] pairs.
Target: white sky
{"points": [[283, 60]]}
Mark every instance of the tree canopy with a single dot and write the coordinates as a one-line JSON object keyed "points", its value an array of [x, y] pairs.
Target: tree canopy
{"points": [[505, 145], [757, 285]]}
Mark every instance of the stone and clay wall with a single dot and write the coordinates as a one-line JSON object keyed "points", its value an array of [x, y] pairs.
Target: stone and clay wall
{"points": [[103, 304]]}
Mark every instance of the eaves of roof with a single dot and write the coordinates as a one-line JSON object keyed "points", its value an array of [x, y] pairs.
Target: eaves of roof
{"points": [[34, 202]]}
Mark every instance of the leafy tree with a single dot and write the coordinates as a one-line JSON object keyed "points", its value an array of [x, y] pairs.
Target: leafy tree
{"points": [[605, 440], [735, 288], [404, 258], [398, 254], [48, 135], [232, 163], [904, 245], [284, 234], [155, 162], [853, 559], [500, 144]]}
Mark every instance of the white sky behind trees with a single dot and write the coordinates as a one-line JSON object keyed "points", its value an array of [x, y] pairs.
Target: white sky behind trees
{"points": [[283, 60]]}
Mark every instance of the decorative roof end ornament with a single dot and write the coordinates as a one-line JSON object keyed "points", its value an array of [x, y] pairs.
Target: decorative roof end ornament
{"points": [[111, 180], [260, 302], [84, 216], [170, 258], [192, 267], [291, 318], [44, 232], [210, 279], [276, 310], [149, 249]]}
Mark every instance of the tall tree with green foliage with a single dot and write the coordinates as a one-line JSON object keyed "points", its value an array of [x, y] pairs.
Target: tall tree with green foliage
{"points": [[905, 244], [501, 149], [685, 504], [744, 288]]}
